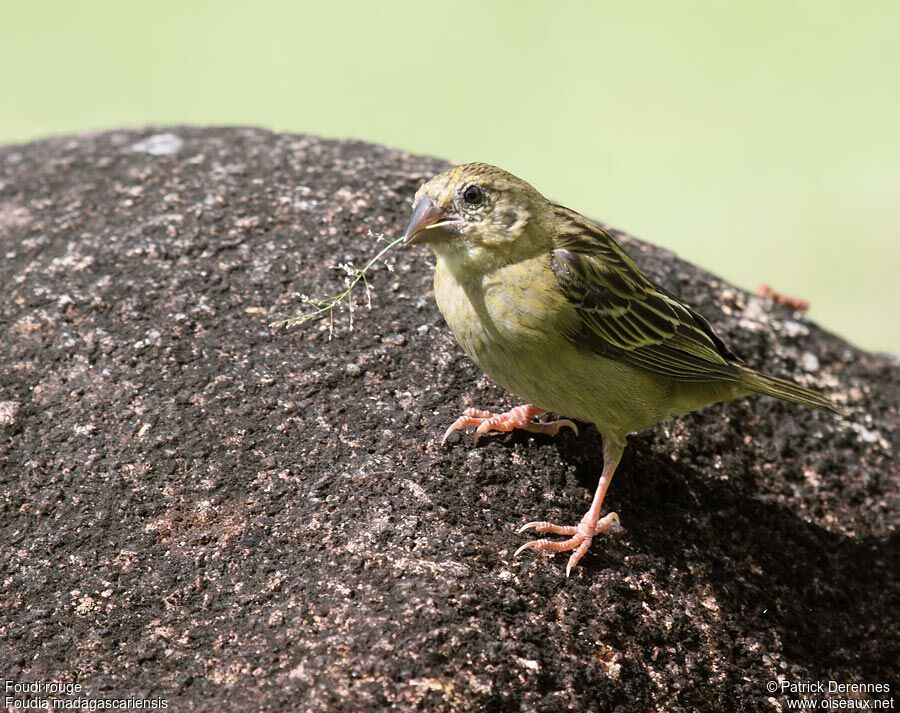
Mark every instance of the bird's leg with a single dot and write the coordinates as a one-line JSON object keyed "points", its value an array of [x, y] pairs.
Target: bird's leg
{"points": [[591, 524], [518, 417]]}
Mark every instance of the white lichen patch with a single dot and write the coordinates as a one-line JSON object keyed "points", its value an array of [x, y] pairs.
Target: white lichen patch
{"points": [[868, 435], [809, 362], [754, 314], [13, 216], [8, 412], [159, 145], [795, 329]]}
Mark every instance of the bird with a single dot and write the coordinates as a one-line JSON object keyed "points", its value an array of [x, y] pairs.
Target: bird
{"points": [[553, 309]]}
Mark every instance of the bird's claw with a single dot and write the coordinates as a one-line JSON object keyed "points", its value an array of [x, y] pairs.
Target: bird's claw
{"points": [[518, 417], [580, 537]]}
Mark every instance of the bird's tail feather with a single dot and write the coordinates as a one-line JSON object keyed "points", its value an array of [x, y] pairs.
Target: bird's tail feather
{"points": [[788, 390]]}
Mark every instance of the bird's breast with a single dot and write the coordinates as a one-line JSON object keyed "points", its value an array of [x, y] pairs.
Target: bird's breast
{"points": [[510, 321], [512, 307]]}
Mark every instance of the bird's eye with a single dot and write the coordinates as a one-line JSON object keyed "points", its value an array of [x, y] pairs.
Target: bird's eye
{"points": [[473, 195]]}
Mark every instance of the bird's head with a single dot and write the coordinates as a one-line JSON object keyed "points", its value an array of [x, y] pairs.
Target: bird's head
{"points": [[474, 210]]}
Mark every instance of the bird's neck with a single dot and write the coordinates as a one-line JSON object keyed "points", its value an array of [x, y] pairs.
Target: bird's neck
{"points": [[474, 261], [468, 264]]}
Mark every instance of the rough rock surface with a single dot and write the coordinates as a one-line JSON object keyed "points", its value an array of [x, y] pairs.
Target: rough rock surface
{"points": [[198, 507]]}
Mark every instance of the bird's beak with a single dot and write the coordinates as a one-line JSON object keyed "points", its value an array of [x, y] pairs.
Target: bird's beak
{"points": [[425, 215]]}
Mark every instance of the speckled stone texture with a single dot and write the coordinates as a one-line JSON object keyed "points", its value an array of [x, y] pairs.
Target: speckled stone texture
{"points": [[196, 506]]}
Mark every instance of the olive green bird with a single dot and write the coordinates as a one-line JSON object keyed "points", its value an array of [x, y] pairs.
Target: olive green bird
{"points": [[555, 311]]}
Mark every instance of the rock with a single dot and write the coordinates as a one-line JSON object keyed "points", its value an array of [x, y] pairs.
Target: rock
{"points": [[8, 411], [197, 507]]}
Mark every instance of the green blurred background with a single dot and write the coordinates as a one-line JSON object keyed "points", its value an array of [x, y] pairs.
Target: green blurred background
{"points": [[758, 139]]}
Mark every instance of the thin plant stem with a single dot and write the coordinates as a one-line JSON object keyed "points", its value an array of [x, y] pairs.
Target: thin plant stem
{"points": [[322, 306]]}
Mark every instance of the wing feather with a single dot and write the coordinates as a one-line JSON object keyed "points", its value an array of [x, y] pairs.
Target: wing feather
{"points": [[624, 315]]}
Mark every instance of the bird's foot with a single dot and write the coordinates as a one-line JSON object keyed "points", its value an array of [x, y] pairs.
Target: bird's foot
{"points": [[579, 535], [518, 417]]}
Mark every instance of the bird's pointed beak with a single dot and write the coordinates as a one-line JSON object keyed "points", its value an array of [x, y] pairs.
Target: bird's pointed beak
{"points": [[425, 215]]}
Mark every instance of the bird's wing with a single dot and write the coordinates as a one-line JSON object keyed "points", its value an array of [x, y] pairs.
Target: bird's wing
{"points": [[625, 316]]}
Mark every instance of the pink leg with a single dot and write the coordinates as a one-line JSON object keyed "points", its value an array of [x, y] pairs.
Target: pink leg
{"points": [[519, 417], [591, 524]]}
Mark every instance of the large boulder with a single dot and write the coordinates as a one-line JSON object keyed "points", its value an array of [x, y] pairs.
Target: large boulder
{"points": [[197, 507]]}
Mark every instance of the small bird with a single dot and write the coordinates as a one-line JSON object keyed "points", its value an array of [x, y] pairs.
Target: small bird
{"points": [[554, 310]]}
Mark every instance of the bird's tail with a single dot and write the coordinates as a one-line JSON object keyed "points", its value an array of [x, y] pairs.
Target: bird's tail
{"points": [[788, 390]]}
